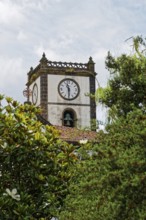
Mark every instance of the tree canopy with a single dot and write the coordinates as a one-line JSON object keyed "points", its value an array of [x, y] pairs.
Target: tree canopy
{"points": [[35, 166], [126, 87], [110, 179]]}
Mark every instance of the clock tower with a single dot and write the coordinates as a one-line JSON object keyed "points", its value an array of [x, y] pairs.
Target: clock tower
{"points": [[63, 91]]}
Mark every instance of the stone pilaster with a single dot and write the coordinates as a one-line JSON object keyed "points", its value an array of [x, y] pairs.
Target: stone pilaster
{"points": [[44, 95]]}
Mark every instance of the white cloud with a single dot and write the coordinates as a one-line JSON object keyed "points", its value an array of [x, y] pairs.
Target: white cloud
{"points": [[50, 54], [34, 4], [21, 36], [11, 70], [10, 12], [100, 54]]}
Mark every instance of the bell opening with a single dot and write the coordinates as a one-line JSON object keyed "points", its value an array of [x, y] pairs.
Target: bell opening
{"points": [[68, 118]]}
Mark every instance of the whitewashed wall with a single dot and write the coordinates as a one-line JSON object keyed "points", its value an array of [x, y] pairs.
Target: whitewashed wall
{"points": [[55, 111], [53, 95]]}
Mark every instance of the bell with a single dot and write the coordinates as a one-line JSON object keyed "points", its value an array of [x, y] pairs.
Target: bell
{"points": [[68, 120]]}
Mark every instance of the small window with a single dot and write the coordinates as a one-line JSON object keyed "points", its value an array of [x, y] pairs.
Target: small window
{"points": [[69, 118]]}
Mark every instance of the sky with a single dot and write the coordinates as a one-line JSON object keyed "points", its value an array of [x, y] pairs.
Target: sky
{"points": [[66, 30]]}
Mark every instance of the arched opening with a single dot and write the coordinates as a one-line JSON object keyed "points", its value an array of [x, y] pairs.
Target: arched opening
{"points": [[69, 118]]}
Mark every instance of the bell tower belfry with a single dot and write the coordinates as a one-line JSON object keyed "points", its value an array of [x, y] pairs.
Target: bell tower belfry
{"points": [[62, 91]]}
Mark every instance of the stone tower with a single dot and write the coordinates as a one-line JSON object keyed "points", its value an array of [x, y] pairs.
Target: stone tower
{"points": [[62, 91]]}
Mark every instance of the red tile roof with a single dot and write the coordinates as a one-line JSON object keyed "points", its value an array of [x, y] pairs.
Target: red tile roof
{"points": [[74, 135], [71, 135]]}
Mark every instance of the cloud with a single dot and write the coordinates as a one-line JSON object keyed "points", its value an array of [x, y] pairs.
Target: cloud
{"points": [[34, 4], [11, 71], [10, 12], [50, 54], [21, 36]]}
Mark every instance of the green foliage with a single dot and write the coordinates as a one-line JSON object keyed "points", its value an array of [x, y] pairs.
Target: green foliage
{"points": [[35, 166], [110, 178], [110, 181], [127, 86]]}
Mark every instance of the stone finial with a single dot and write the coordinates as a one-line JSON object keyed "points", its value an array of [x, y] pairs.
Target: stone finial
{"points": [[90, 60], [91, 64], [43, 60], [30, 71]]}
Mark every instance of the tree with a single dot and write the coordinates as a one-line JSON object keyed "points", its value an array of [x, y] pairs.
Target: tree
{"points": [[35, 166], [127, 86], [110, 183]]}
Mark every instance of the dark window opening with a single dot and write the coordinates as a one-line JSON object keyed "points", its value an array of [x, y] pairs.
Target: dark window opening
{"points": [[69, 118]]}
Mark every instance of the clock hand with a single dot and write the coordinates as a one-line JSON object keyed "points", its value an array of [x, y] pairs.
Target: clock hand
{"points": [[68, 89]]}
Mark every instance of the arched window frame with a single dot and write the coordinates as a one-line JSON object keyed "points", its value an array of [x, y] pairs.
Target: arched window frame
{"points": [[73, 113]]}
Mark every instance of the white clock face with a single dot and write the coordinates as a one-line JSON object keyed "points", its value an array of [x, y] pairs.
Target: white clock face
{"points": [[68, 89], [35, 94]]}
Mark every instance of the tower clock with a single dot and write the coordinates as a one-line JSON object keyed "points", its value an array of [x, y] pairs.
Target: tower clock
{"points": [[34, 94], [61, 88], [68, 89]]}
